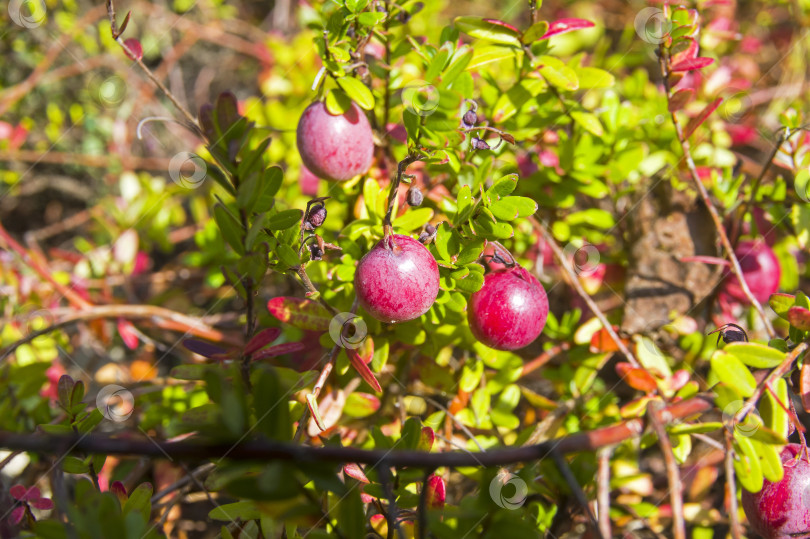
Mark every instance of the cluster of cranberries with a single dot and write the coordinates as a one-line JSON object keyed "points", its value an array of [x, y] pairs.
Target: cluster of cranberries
{"points": [[398, 280]]}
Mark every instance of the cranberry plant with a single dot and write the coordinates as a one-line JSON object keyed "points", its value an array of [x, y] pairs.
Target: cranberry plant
{"points": [[434, 272]]}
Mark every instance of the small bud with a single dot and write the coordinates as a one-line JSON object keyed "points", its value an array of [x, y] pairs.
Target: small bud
{"points": [[430, 229], [134, 47], [427, 235], [315, 252], [316, 217], [479, 144], [469, 119], [423, 237], [415, 196]]}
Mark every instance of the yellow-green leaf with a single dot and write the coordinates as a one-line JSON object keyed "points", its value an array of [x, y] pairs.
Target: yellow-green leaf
{"points": [[731, 371], [756, 355], [358, 91]]}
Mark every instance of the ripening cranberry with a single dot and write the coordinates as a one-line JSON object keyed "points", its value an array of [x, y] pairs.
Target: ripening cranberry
{"points": [[760, 269], [509, 311], [782, 510], [335, 148], [308, 182], [397, 280]]}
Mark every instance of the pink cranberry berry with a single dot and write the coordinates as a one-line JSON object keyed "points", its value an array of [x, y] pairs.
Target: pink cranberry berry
{"points": [[782, 510], [509, 311], [760, 269], [335, 148], [397, 280]]}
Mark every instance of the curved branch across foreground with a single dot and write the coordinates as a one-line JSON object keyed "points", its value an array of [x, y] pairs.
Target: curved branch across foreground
{"points": [[269, 450]]}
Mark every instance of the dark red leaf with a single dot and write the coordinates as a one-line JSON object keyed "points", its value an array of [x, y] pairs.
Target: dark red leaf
{"points": [[43, 503], [563, 26], [695, 122], [680, 98], [689, 53], [799, 317], [17, 514], [262, 339], [18, 492], [133, 50], [278, 350], [205, 349], [692, 63], [362, 369], [120, 491]]}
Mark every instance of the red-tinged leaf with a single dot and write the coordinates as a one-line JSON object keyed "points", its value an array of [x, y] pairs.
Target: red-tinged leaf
{"points": [[804, 386], [692, 64], [365, 498], [680, 98], [690, 53], [366, 349], [301, 313], [362, 369], [43, 503], [31, 494], [695, 122], [205, 349], [427, 439], [312, 402], [436, 492], [354, 471], [262, 339], [799, 317], [135, 51], [563, 26], [18, 492], [278, 350], [679, 379], [502, 24], [636, 378], [120, 491], [128, 333], [601, 342], [17, 514]]}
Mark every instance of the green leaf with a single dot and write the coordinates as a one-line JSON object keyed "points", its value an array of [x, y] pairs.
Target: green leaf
{"points": [[272, 409], [413, 219], [756, 355], [471, 251], [355, 6], [489, 230], [773, 414], [267, 189], [487, 55], [534, 32], [781, 303], [696, 428], [369, 18], [231, 228], [337, 102], [189, 372], [471, 283], [358, 91], [350, 511], [244, 510], [769, 461], [140, 501], [503, 187], [511, 208], [488, 30], [74, 465], [731, 371], [460, 60], [284, 219], [557, 73], [747, 466], [287, 255], [591, 77], [589, 122], [301, 313], [651, 357]]}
